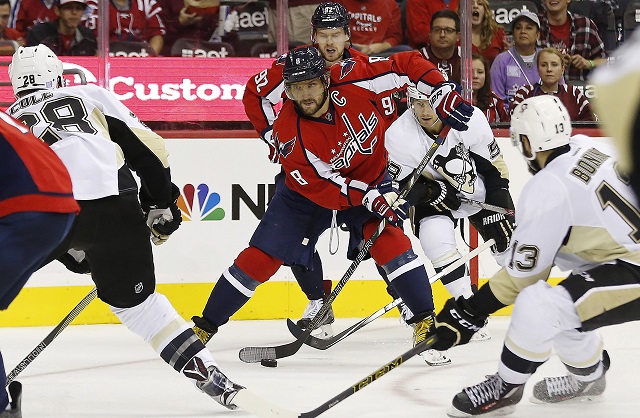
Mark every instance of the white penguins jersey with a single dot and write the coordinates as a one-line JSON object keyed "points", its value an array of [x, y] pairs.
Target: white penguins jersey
{"points": [[77, 123], [471, 160], [577, 212]]}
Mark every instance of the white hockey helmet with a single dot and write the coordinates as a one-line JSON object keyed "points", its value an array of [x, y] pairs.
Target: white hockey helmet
{"points": [[35, 68], [544, 121], [414, 94]]}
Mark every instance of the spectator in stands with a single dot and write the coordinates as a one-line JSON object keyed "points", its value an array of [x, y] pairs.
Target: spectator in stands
{"points": [[487, 37], [483, 97], [299, 24], [517, 66], [65, 35], [442, 49], [550, 63], [129, 22], [376, 28], [183, 22], [575, 36], [27, 13], [419, 17], [8, 34]]}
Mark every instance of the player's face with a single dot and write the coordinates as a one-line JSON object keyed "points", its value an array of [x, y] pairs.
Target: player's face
{"points": [[550, 67], [525, 33], [443, 33], [308, 95], [331, 43], [426, 116], [479, 75]]}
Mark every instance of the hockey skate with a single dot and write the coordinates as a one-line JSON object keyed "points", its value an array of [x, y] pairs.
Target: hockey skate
{"points": [[405, 314], [219, 387], [568, 388], [435, 358], [203, 329], [421, 328], [325, 330], [492, 397], [15, 392]]}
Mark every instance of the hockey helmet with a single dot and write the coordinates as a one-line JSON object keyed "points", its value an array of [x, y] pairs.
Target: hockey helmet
{"points": [[414, 94], [544, 121], [303, 63], [330, 15], [35, 68]]}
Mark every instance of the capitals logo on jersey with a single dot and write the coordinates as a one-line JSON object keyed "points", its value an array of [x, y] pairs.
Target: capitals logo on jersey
{"points": [[457, 168], [346, 67], [355, 142], [284, 148]]}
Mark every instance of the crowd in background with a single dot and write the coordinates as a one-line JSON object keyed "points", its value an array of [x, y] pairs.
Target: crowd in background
{"points": [[507, 67]]}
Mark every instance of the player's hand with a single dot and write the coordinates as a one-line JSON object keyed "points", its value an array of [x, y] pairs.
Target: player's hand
{"points": [[75, 261], [498, 226], [383, 201], [455, 324], [437, 193], [450, 106], [267, 137], [163, 222]]}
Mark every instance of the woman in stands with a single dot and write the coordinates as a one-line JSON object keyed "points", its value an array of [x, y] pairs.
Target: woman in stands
{"points": [[483, 97], [550, 64], [487, 37]]}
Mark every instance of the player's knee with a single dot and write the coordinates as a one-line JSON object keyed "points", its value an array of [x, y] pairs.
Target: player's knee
{"points": [[257, 264], [535, 304], [389, 245], [443, 256]]}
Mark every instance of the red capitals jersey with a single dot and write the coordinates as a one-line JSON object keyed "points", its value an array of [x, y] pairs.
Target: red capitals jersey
{"points": [[265, 90], [139, 22], [27, 13], [32, 177], [332, 160]]}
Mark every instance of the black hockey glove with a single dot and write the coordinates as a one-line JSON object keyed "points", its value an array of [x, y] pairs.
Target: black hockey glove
{"points": [[437, 193], [455, 324], [75, 261], [496, 225]]}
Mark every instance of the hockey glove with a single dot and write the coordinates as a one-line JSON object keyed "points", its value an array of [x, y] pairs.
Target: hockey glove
{"points": [[437, 193], [383, 201], [455, 324], [75, 261], [163, 223], [450, 106], [496, 225], [274, 154]]}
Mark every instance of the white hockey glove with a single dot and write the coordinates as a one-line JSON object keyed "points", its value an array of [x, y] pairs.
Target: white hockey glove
{"points": [[75, 261], [163, 222]]}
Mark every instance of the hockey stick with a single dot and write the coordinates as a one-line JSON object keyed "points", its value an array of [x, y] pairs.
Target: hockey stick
{"points": [[323, 344], [265, 409], [256, 354], [52, 335], [487, 206]]}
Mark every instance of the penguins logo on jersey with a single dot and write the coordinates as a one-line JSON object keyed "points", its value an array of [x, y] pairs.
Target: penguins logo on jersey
{"points": [[457, 168]]}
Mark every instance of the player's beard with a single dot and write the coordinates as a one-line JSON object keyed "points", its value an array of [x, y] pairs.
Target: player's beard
{"points": [[313, 105]]}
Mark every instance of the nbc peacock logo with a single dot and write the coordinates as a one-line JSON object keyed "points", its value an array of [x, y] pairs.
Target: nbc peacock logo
{"points": [[197, 204]]}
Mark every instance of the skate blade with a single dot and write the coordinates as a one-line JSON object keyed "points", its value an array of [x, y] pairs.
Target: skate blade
{"points": [[576, 400], [324, 332], [456, 413]]}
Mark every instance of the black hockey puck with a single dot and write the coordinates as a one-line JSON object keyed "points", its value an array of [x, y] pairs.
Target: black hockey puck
{"points": [[269, 362]]}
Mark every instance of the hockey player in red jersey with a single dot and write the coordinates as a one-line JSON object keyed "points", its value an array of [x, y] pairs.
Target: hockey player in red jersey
{"points": [[330, 141], [37, 210]]}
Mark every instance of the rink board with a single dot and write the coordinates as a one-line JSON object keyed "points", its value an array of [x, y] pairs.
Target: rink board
{"points": [[226, 184]]}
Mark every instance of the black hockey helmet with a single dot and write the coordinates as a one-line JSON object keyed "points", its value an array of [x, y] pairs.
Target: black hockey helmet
{"points": [[331, 15], [303, 63]]}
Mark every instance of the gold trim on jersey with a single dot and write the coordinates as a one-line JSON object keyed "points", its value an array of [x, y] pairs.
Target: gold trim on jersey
{"points": [[506, 287], [501, 166], [524, 353], [154, 142], [596, 245], [599, 300]]}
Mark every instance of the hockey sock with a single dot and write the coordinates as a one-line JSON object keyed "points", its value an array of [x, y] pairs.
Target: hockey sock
{"points": [[233, 290], [158, 323], [457, 282], [409, 280], [310, 281]]}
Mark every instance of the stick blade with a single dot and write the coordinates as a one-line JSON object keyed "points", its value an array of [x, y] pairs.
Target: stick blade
{"points": [[311, 341], [256, 354], [260, 407]]}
